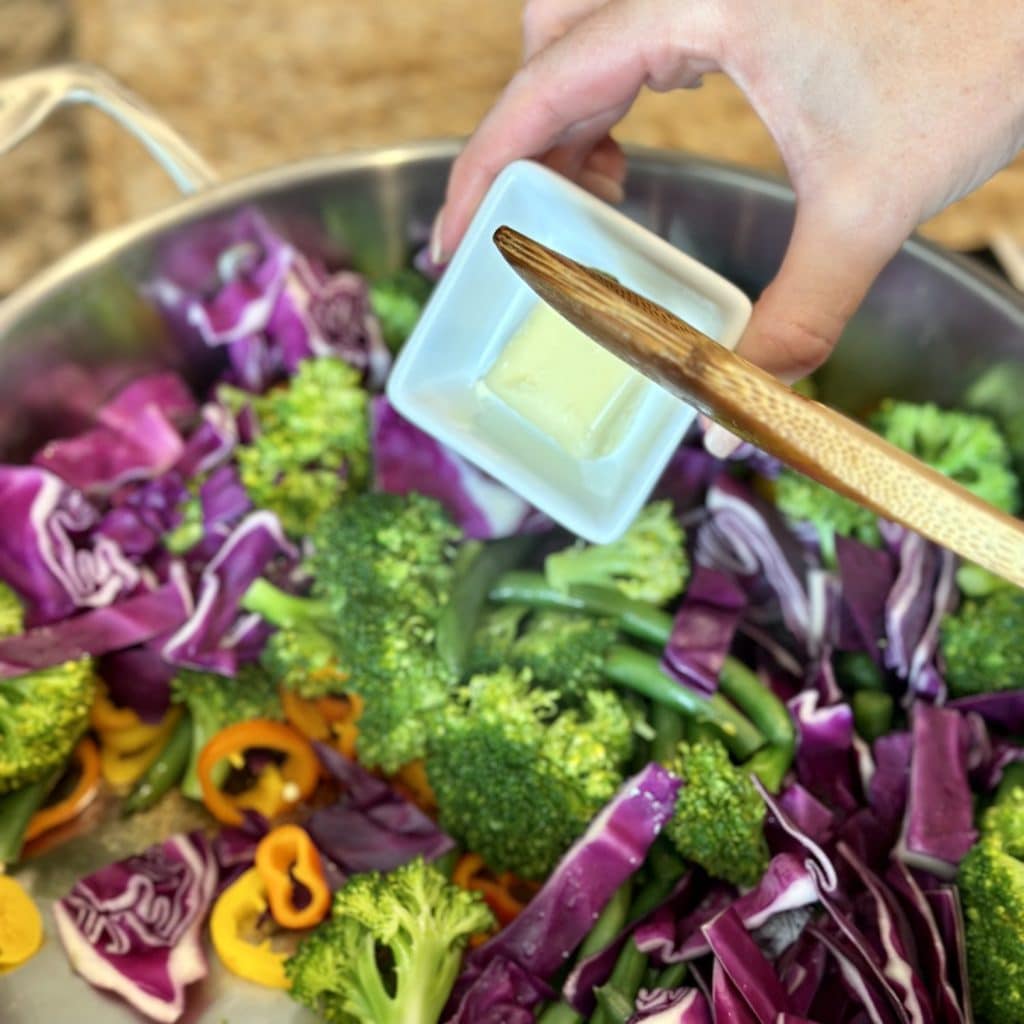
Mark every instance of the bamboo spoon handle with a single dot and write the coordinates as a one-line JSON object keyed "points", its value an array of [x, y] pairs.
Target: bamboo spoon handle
{"points": [[808, 436]]}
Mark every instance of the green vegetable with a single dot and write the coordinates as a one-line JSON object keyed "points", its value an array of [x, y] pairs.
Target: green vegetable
{"points": [[215, 702], [390, 951], [383, 571], [991, 883], [856, 670], [12, 614], [648, 563], [719, 817], [165, 772], [616, 998], [313, 445], [517, 779], [397, 302], [967, 447], [997, 393], [43, 714], [983, 644], [16, 810], [872, 713]]}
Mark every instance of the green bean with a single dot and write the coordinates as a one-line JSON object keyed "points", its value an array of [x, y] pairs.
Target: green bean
{"points": [[669, 732], [616, 998], [474, 580], [672, 976], [16, 810], [165, 772], [872, 713]]}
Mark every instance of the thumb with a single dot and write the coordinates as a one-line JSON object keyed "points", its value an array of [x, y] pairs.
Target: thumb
{"points": [[829, 266]]}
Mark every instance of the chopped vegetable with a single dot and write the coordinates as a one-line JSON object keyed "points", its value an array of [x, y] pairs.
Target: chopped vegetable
{"points": [[288, 864], [166, 771], [233, 930], [983, 644], [86, 759], [391, 949], [277, 788], [21, 925]]}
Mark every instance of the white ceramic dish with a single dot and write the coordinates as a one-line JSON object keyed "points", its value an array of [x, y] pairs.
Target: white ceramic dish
{"points": [[479, 304]]}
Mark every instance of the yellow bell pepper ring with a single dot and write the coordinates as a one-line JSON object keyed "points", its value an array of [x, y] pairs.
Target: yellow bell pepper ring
{"points": [[21, 925], [235, 914]]}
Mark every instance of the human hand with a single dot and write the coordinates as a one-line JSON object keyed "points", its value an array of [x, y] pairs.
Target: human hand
{"points": [[884, 113]]}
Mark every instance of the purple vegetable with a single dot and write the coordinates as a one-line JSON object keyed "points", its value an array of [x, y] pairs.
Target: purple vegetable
{"points": [[727, 1004], [746, 537], [48, 553], [686, 478], [234, 848], [949, 917], [134, 927], [824, 752], [801, 970], [211, 443], [139, 678], [503, 993], [208, 640], [704, 628], [887, 791], [406, 459], [124, 624], [744, 964], [559, 916], [671, 1006], [859, 982], [938, 824], [141, 514], [135, 438], [665, 935], [811, 816], [866, 577], [223, 498], [785, 886], [1003, 709], [371, 828]]}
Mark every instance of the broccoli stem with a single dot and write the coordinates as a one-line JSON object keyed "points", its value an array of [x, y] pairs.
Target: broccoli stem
{"points": [[279, 607], [635, 618], [643, 674], [672, 976], [768, 714], [458, 621], [872, 714], [16, 810]]}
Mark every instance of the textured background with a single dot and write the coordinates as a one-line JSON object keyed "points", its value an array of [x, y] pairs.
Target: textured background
{"points": [[255, 82]]}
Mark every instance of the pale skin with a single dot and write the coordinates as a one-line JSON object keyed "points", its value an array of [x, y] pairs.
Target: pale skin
{"points": [[884, 112]]}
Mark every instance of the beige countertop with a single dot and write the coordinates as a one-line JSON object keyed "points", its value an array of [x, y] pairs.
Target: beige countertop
{"points": [[255, 83]]}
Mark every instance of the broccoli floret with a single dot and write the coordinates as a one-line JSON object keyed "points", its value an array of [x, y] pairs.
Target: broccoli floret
{"points": [[719, 816], [802, 500], [43, 714], [516, 779], [383, 568], [967, 447], [12, 615], [983, 644], [563, 650], [648, 562], [313, 445], [991, 883], [997, 393], [397, 302], [215, 702], [390, 951]]}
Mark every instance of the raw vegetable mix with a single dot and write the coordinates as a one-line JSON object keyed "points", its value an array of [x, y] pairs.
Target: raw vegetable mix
{"points": [[758, 760]]}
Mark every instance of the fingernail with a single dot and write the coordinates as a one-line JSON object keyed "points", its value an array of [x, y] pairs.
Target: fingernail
{"points": [[719, 442], [602, 186], [436, 245]]}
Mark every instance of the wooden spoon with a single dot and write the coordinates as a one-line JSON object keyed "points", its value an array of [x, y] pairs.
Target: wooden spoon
{"points": [[808, 436]]}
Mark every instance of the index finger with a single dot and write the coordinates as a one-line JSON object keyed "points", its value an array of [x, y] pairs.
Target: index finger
{"points": [[581, 83]]}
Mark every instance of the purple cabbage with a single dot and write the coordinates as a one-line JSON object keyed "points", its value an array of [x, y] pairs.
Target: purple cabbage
{"points": [[671, 1006], [135, 438], [801, 971], [824, 751], [938, 824], [686, 479], [503, 993], [211, 636], [866, 577], [234, 848], [140, 679], [704, 628], [406, 459], [371, 828], [561, 914], [140, 515], [211, 443], [135, 926], [127, 623], [1003, 709], [49, 553], [727, 1003]]}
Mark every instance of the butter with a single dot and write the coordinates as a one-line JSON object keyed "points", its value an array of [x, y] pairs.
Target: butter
{"points": [[565, 384]]}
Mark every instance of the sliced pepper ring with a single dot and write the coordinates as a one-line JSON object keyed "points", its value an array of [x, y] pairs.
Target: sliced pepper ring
{"points": [[285, 858], [277, 789], [87, 758]]}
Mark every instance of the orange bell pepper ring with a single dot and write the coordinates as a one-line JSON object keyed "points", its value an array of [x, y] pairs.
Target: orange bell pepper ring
{"points": [[278, 788], [288, 863], [87, 757], [500, 893]]}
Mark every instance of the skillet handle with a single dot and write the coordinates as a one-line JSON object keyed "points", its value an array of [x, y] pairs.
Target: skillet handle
{"points": [[27, 100]]}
